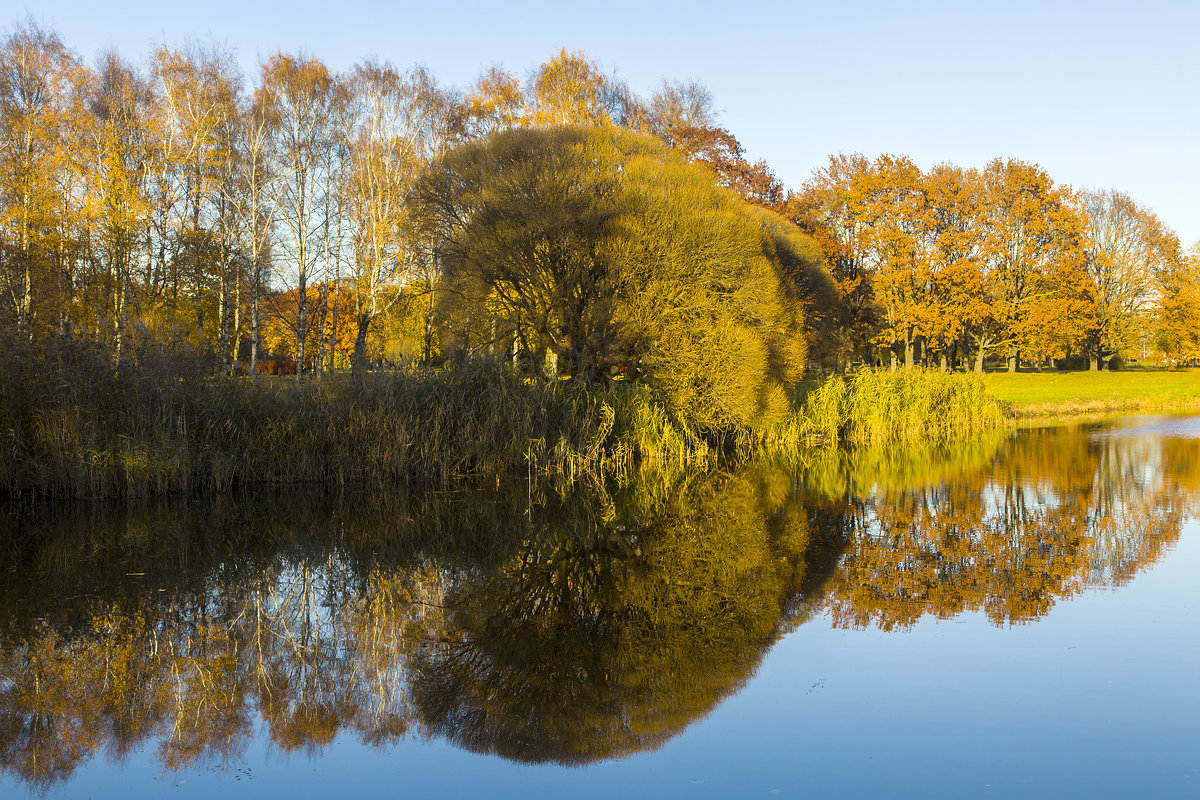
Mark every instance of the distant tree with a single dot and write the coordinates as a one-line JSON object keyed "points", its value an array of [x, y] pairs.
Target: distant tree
{"points": [[123, 152], [570, 89], [394, 131], [495, 103], [43, 126], [677, 106], [192, 185], [298, 97], [1178, 313], [720, 151], [827, 208], [1032, 257], [1128, 247]]}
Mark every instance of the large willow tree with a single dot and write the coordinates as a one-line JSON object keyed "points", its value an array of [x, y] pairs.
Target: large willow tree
{"points": [[611, 252]]}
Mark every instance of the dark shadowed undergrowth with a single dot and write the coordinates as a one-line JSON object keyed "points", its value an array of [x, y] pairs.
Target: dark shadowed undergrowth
{"points": [[75, 427]]}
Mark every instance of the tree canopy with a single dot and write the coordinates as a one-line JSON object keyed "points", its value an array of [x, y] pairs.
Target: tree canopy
{"points": [[620, 259]]}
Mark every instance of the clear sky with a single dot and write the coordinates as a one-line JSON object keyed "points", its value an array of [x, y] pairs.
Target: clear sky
{"points": [[1101, 94]]}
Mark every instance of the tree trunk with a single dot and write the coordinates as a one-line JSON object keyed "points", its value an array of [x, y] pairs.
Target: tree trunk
{"points": [[979, 361], [254, 320], [429, 329], [333, 330], [360, 346], [302, 326]]}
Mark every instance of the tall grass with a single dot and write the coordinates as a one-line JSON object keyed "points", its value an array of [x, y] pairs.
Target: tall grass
{"points": [[872, 407], [75, 427]]}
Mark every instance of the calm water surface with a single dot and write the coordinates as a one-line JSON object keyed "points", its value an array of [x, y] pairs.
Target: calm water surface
{"points": [[1001, 618]]}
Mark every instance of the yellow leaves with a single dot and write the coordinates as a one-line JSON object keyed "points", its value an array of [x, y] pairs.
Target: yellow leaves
{"points": [[570, 89], [946, 256], [495, 102]]}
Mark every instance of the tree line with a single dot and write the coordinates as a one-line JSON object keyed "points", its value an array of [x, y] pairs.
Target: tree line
{"points": [[167, 202], [951, 263], [174, 202]]}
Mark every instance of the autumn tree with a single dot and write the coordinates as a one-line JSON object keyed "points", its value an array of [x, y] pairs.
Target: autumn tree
{"points": [[571, 89], [122, 105], [251, 206], [1032, 257], [809, 285], [678, 106], [298, 96], [720, 151], [43, 119], [494, 103], [827, 208], [956, 280], [1178, 313], [619, 258], [879, 220], [1128, 248], [394, 132]]}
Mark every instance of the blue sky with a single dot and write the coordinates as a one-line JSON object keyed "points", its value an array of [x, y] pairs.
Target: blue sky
{"points": [[1100, 94]]}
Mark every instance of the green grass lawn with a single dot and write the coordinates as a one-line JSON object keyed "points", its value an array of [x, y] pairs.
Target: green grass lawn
{"points": [[1035, 394]]}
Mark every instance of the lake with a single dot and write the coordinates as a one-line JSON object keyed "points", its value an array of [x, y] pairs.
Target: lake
{"points": [[1016, 615]]}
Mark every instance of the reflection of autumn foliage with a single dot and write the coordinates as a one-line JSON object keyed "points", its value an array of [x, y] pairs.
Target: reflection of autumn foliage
{"points": [[1051, 514], [936, 552], [658, 604], [589, 643]]}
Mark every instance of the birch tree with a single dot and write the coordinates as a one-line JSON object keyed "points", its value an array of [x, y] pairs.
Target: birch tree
{"points": [[297, 96]]}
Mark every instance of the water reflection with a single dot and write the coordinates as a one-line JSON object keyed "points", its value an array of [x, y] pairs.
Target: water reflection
{"points": [[577, 628], [558, 628], [1036, 520]]}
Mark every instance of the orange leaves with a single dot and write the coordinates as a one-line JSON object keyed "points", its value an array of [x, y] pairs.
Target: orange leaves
{"points": [[946, 257], [720, 151]]}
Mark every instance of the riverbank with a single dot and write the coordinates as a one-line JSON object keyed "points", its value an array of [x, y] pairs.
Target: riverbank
{"points": [[1046, 396]]}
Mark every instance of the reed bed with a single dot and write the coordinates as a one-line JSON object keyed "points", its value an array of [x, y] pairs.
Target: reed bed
{"points": [[877, 407], [76, 427]]}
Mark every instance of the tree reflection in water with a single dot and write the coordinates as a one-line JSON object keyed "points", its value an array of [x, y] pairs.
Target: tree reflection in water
{"points": [[1036, 520], [563, 628]]}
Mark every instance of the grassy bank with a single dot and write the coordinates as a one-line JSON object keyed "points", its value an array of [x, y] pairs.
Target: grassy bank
{"points": [[1066, 394]]}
